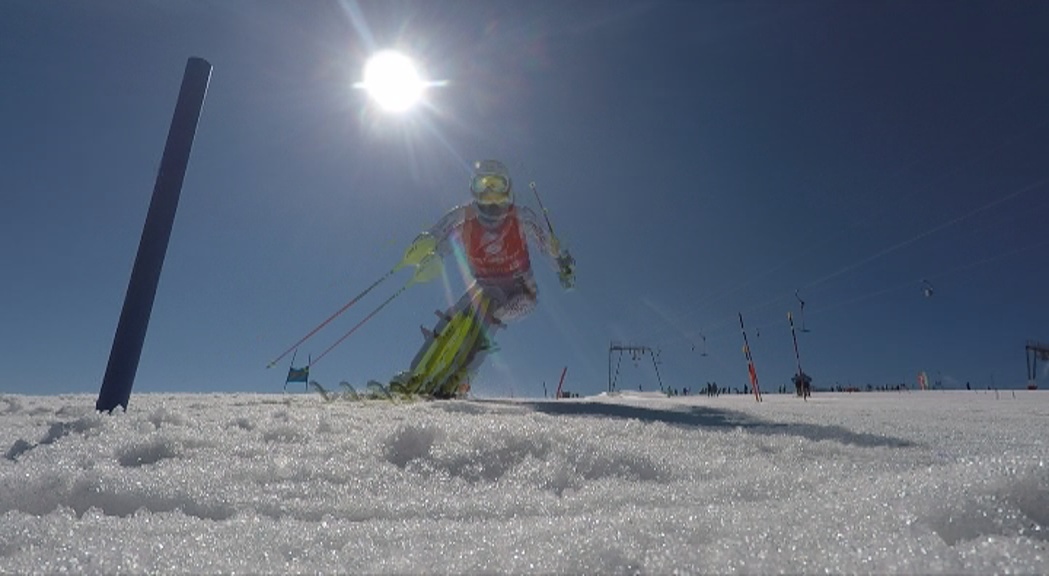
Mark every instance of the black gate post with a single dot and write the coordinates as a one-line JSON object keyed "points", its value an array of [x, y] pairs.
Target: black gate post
{"points": [[145, 275]]}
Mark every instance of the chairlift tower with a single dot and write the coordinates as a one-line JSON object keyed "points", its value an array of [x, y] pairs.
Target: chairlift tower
{"points": [[1035, 351], [636, 352]]}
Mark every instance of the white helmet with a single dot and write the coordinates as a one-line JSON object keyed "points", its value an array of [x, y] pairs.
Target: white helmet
{"points": [[490, 184]]}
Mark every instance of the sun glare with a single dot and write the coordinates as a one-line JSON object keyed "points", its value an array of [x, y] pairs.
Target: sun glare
{"points": [[392, 80]]}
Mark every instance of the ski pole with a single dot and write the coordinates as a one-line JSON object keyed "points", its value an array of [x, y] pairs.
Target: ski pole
{"points": [[428, 268], [546, 214], [333, 316], [361, 323], [421, 248], [564, 259]]}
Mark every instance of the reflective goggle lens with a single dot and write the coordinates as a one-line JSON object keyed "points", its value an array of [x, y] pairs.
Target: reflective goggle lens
{"points": [[491, 183], [490, 198]]}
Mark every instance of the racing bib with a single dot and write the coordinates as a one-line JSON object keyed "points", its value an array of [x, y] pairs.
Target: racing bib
{"points": [[499, 252]]}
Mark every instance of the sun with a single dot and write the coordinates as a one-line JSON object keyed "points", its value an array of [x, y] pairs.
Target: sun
{"points": [[392, 80]]}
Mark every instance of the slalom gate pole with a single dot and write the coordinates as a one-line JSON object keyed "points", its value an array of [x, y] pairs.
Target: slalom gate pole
{"points": [[362, 322], [290, 366], [750, 361], [332, 317], [153, 244], [560, 383]]}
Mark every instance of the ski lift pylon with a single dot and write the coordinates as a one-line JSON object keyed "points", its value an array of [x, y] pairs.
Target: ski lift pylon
{"points": [[802, 312]]}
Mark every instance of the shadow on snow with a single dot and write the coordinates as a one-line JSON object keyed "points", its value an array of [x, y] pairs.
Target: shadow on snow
{"points": [[706, 417]]}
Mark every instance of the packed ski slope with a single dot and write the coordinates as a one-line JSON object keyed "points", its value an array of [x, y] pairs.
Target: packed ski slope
{"points": [[921, 482]]}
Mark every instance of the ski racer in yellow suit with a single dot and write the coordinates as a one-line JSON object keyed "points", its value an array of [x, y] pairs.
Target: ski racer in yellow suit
{"points": [[492, 233]]}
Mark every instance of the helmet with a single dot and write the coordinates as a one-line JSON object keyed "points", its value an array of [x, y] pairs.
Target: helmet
{"points": [[490, 184]]}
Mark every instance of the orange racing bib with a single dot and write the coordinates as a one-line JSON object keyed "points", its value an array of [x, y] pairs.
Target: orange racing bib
{"points": [[499, 252]]}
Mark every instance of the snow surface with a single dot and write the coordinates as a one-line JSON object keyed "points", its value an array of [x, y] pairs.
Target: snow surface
{"points": [[921, 482]]}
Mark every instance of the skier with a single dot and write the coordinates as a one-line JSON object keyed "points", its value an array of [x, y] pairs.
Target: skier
{"points": [[493, 233]]}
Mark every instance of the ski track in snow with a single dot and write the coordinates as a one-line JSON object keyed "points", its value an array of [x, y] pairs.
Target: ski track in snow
{"points": [[921, 482]]}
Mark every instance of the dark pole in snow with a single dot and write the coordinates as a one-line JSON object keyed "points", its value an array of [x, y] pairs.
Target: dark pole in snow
{"points": [[145, 275]]}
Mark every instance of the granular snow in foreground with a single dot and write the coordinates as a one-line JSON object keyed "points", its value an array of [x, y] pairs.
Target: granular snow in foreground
{"points": [[923, 482]]}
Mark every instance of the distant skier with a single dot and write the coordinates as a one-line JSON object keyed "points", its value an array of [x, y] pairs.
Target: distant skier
{"points": [[493, 233], [802, 384]]}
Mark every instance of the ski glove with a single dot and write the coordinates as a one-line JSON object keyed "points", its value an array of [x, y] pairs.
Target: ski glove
{"points": [[566, 270], [429, 268], [423, 246]]}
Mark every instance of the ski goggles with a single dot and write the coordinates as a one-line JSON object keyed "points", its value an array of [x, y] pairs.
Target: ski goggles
{"points": [[483, 184]]}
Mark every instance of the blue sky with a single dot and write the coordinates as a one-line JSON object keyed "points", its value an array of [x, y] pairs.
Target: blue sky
{"points": [[700, 159]]}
